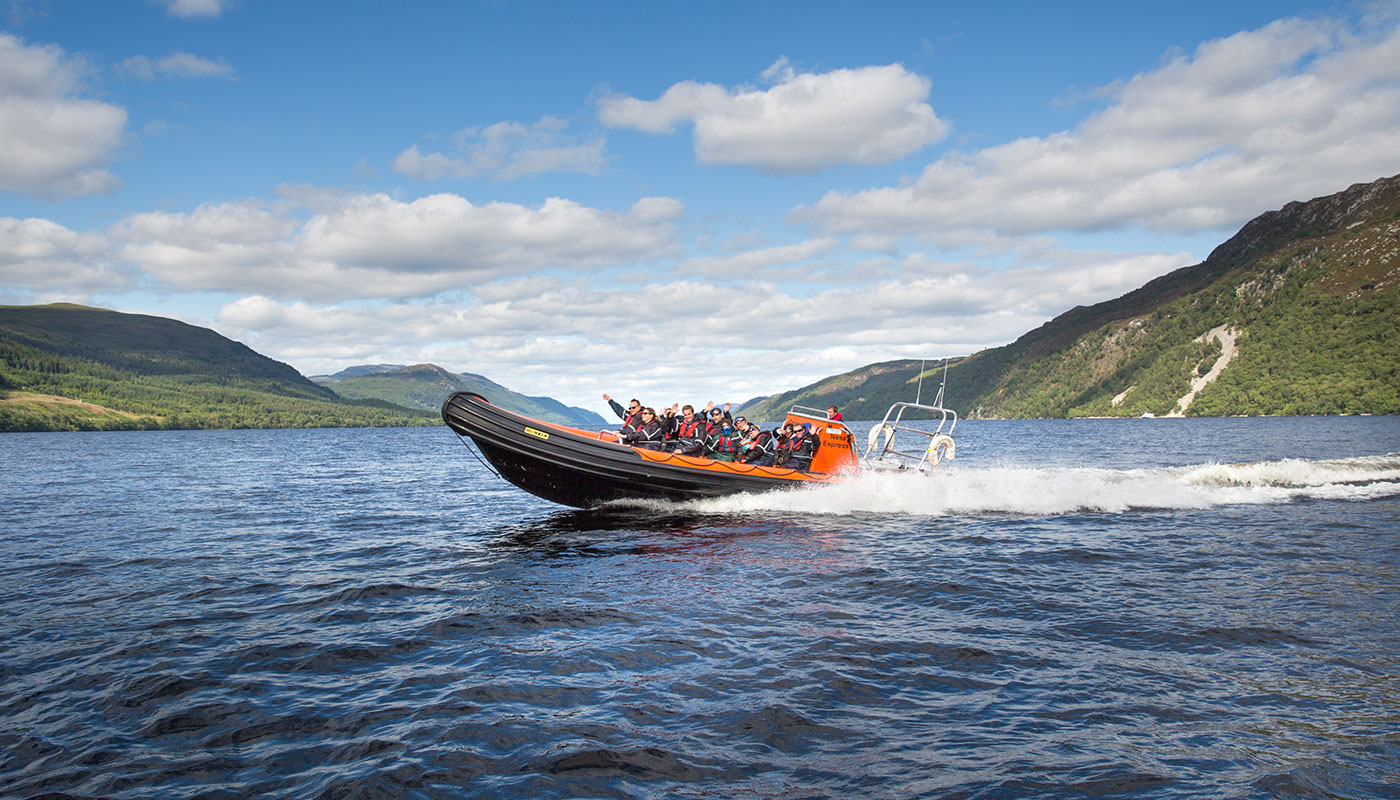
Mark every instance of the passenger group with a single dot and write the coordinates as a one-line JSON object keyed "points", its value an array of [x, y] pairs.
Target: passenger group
{"points": [[715, 434]]}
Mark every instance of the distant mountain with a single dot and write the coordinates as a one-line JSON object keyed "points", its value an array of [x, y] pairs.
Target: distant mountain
{"points": [[69, 367], [1298, 313], [354, 372], [863, 393], [425, 386]]}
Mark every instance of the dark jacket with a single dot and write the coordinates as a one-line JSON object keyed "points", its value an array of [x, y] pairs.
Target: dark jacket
{"points": [[720, 441], [629, 421], [761, 450], [646, 434], [687, 438], [800, 448], [746, 438]]}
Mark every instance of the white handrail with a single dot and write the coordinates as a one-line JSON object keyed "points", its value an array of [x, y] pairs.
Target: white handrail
{"points": [[931, 454]]}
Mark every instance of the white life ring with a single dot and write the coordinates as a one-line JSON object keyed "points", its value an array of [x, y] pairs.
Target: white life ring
{"points": [[874, 438], [941, 446]]}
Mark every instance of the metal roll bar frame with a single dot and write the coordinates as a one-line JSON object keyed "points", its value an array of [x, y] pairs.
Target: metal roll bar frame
{"points": [[887, 428]]}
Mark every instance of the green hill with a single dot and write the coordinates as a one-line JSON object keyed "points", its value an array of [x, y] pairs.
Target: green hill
{"points": [[425, 386], [1305, 299], [68, 367], [355, 372]]}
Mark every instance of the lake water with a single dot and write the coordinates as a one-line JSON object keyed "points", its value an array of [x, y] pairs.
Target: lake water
{"points": [[1097, 608]]}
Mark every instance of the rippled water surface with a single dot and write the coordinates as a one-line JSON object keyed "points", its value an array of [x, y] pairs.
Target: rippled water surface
{"points": [[1132, 608]]}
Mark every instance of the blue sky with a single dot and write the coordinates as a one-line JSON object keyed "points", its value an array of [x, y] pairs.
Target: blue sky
{"points": [[681, 202]]}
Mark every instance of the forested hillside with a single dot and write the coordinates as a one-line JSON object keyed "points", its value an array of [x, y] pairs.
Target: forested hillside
{"points": [[67, 367], [1308, 298]]}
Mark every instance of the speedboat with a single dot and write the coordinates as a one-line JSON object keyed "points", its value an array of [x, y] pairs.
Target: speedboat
{"points": [[583, 468]]}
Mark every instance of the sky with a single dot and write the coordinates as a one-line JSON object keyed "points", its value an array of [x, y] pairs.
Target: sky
{"points": [[680, 202]]}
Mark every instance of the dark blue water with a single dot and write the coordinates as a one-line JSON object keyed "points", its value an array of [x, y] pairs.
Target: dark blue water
{"points": [[1167, 608]]}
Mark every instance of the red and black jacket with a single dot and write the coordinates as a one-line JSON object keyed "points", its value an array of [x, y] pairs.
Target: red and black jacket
{"points": [[630, 421], [646, 434], [800, 447], [761, 445], [720, 439]]}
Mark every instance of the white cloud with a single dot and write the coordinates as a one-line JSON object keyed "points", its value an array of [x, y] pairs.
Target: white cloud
{"points": [[448, 232], [1293, 110], [689, 339], [756, 261], [805, 122], [36, 72], [175, 65], [191, 9], [223, 246], [371, 245], [430, 166], [40, 255], [506, 151], [52, 142]]}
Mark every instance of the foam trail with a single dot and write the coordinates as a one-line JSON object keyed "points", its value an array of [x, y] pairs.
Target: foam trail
{"points": [[1040, 491]]}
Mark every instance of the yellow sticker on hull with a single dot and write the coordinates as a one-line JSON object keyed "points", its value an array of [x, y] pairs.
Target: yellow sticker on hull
{"points": [[538, 434]]}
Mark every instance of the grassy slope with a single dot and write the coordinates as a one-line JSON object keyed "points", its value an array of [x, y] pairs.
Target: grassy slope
{"points": [[131, 371], [1312, 290]]}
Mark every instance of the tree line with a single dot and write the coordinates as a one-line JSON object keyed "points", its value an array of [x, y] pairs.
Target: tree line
{"points": [[169, 400]]}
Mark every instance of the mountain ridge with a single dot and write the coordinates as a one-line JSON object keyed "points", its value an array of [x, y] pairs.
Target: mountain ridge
{"points": [[65, 366], [71, 367], [425, 386], [1324, 270]]}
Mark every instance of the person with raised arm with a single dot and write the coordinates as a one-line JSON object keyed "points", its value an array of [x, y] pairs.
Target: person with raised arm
{"points": [[631, 417], [720, 443], [687, 432]]}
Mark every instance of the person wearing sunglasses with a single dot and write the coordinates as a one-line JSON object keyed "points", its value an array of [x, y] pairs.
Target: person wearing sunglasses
{"points": [[648, 433], [763, 448], [797, 451], [631, 416]]}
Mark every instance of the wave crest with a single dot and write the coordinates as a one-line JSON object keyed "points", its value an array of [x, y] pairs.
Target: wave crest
{"points": [[1042, 491]]}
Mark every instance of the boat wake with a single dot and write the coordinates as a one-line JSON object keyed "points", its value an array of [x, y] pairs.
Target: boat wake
{"points": [[1041, 491]]}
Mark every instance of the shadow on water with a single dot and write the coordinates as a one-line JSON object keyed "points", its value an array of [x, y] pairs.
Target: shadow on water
{"points": [[632, 530]]}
